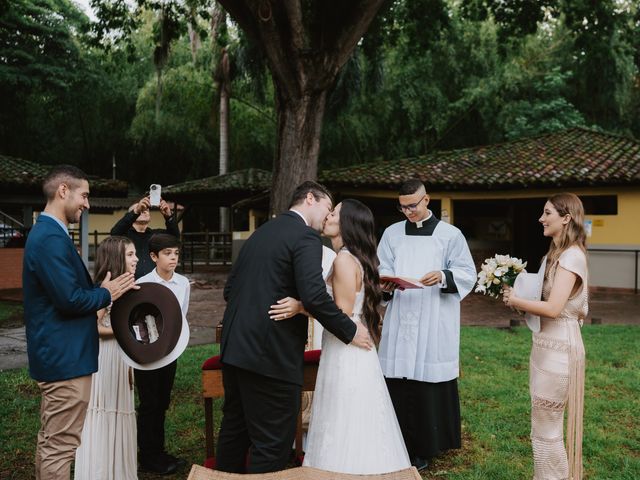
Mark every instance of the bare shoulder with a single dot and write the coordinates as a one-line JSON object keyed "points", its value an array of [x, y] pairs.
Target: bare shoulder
{"points": [[345, 265]]}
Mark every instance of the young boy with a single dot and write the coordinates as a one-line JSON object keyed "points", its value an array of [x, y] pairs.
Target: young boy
{"points": [[154, 386]]}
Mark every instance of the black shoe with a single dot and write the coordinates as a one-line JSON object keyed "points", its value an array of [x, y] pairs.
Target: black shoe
{"points": [[158, 464], [420, 463], [180, 462]]}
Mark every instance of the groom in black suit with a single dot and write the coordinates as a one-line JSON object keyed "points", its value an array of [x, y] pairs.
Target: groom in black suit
{"points": [[263, 358]]}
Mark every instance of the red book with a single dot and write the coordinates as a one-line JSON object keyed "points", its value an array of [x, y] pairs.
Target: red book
{"points": [[402, 282]]}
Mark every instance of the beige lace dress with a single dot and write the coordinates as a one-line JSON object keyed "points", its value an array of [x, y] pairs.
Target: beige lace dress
{"points": [[556, 380]]}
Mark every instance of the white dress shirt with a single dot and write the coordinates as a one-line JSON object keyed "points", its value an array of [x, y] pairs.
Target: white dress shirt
{"points": [[178, 284]]}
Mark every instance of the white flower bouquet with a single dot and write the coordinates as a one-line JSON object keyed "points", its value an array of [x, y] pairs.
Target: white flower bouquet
{"points": [[497, 271]]}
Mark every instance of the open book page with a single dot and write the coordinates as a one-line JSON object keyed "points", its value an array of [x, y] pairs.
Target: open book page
{"points": [[402, 282]]}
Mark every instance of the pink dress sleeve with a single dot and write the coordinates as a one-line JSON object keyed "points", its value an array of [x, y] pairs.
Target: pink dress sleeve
{"points": [[574, 260]]}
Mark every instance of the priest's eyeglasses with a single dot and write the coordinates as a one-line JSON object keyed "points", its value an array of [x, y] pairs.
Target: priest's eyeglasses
{"points": [[410, 208]]}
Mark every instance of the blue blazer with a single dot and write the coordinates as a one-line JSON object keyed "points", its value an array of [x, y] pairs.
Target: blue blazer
{"points": [[60, 305]]}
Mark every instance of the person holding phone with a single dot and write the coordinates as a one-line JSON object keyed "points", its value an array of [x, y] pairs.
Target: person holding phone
{"points": [[135, 226]]}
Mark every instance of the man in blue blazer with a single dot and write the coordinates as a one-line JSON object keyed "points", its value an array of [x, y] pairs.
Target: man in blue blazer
{"points": [[60, 305]]}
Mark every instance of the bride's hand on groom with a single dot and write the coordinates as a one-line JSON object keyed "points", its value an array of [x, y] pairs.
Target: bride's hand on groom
{"points": [[286, 308], [362, 338]]}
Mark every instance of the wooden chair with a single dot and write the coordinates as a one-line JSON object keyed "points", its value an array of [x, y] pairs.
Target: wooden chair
{"points": [[212, 388]]}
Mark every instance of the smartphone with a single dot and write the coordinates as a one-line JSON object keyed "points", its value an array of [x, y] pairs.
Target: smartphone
{"points": [[154, 194]]}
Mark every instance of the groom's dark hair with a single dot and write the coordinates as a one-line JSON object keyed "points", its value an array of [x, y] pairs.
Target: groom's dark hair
{"points": [[411, 186], [317, 190]]}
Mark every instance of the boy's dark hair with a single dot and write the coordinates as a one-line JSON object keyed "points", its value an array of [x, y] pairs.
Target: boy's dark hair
{"points": [[411, 186], [317, 190], [160, 241], [61, 174]]}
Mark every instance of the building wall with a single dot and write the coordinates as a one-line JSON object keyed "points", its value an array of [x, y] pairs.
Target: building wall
{"points": [[103, 222], [622, 229], [619, 232], [11, 268]]}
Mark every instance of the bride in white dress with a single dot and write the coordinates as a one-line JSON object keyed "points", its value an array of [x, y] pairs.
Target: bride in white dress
{"points": [[353, 426]]}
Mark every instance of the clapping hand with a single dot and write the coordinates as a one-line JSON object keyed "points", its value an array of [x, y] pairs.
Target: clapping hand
{"points": [[119, 285], [286, 308]]}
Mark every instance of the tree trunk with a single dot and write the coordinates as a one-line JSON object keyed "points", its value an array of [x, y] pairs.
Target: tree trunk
{"points": [[158, 93], [194, 41], [224, 137], [296, 160], [306, 43]]}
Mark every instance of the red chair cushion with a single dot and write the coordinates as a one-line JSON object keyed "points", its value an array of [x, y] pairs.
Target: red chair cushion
{"points": [[211, 462], [212, 363], [312, 356]]}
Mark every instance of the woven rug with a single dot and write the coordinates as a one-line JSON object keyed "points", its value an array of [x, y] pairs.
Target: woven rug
{"points": [[301, 473]]}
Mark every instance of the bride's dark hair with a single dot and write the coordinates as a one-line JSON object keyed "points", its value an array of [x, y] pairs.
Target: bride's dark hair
{"points": [[357, 228]]}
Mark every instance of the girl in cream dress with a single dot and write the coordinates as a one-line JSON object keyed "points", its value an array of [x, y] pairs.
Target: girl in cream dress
{"points": [[108, 449]]}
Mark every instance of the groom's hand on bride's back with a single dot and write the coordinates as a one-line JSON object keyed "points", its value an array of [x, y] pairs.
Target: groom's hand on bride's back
{"points": [[362, 338]]}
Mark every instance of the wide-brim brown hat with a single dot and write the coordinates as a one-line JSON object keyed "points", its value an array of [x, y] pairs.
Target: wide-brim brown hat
{"points": [[149, 326]]}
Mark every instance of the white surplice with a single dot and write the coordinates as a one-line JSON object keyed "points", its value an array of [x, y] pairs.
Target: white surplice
{"points": [[421, 330]]}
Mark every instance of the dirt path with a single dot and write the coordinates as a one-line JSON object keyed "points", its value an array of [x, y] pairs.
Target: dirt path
{"points": [[206, 309], [207, 306]]}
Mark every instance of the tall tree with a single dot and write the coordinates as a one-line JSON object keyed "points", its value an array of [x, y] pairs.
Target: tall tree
{"points": [[306, 44], [605, 70], [222, 79]]}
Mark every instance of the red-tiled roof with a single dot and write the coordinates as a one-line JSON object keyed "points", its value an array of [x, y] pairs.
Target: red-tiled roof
{"points": [[250, 180], [573, 157], [25, 177]]}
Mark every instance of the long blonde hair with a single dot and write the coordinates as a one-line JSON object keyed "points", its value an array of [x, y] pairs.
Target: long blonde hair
{"points": [[573, 233]]}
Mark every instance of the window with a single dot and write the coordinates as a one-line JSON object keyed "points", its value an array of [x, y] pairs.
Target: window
{"points": [[600, 204]]}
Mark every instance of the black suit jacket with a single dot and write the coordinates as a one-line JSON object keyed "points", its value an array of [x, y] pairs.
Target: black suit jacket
{"points": [[283, 258]]}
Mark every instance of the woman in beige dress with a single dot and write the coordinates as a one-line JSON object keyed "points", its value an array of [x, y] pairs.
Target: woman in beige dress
{"points": [[556, 380]]}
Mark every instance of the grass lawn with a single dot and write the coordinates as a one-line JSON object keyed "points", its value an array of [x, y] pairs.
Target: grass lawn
{"points": [[11, 314], [495, 409]]}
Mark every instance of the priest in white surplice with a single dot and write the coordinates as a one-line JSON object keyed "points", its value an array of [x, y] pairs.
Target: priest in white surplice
{"points": [[419, 349]]}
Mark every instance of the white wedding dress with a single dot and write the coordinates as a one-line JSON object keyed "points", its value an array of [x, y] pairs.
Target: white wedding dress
{"points": [[353, 426]]}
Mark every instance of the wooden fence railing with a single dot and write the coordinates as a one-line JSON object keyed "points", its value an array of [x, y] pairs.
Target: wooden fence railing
{"points": [[198, 248]]}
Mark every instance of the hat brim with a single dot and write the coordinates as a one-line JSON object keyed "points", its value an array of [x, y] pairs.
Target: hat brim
{"points": [[178, 350], [529, 287], [172, 332]]}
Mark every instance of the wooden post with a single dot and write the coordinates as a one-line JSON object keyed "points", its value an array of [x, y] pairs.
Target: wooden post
{"points": [[207, 246]]}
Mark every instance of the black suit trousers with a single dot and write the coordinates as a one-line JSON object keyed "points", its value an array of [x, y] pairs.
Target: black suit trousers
{"points": [[260, 417], [154, 395]]}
